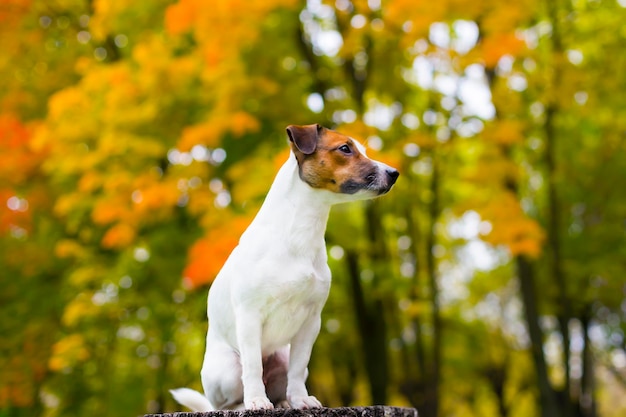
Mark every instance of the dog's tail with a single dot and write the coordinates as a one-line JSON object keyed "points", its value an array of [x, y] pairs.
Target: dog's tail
{"points": [[192, 399]]}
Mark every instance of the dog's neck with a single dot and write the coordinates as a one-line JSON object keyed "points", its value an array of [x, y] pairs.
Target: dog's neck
{"points": [[293, 211]]}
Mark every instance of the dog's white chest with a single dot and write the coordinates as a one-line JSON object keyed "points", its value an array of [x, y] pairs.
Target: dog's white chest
{"points": [[295, 299]]}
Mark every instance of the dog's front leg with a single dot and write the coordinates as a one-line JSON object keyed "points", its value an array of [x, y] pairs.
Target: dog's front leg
{"points": [[249, 341], [300, 353]]}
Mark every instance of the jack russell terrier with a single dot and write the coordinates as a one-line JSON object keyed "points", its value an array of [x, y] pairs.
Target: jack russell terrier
{"points": [[264, 307]]}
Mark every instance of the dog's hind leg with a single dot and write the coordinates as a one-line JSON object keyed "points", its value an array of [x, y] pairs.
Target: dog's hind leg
{"points": [[221, 376], [275, 369]]}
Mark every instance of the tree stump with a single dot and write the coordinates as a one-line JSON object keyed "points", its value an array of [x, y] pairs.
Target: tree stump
{"points": [[374, 411]]}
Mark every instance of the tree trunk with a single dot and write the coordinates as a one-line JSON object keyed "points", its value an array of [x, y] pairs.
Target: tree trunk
{"points": [[587, 391], [413, 230], [434, 373], [564, 311], [547, 396], [564, 306], [371, 325], [414, 382]]}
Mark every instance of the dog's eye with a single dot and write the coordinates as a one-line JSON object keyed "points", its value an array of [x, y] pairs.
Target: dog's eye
{"points": [[345, 149]]}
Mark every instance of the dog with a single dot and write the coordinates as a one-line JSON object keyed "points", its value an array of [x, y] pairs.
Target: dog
{"points": [[264, 307]]}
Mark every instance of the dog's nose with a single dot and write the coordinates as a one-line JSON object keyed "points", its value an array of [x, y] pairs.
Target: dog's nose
{"points": [[393, 175]]}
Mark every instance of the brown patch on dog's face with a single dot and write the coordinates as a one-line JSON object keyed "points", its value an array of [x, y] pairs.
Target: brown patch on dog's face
{"points": [[336, 162]]}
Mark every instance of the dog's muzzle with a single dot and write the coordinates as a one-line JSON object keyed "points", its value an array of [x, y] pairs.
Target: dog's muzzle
{"points": [[379, 182], [392, 175]]}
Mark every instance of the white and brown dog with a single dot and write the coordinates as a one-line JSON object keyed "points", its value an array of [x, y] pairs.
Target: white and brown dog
{"points": [[264, 306]]}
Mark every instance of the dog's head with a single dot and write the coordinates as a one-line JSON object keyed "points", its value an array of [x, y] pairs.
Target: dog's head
{"points": [[331, 161]]}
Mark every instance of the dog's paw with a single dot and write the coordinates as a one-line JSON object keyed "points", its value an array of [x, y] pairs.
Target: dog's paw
{"points": [[305, 402], [283, 404], [258, 403]]}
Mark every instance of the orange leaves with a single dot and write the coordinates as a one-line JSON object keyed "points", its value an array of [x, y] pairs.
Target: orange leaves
{"points": [[11, 11], [222, 31], [154, 196], [208, 254], [129, 206], [108, 210], [119, 236], [13, 133], [13, 212], [498, 28], [226, 19], [16, 387], [414, 17], [242, 122], [495, 46], [18, 159], [510, 226], [19, 162], [180, 17], [490, 175]]}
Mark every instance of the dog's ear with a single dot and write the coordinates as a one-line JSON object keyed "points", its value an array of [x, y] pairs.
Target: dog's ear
{"points": [[304, 137]]}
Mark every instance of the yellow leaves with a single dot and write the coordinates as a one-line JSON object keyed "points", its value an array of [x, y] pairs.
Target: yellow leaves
{"points": [[414, 308], [105, 15], [422, 139], [201, 201], [358, 130], [223, 29], [66, 203], [209, 133], [510, 226], [68, 352], [505, 132], [201, 134], [69, 98], [157, 65], [80, 307], [68, 248], [504, 17], [247, 186], [492, 168]]}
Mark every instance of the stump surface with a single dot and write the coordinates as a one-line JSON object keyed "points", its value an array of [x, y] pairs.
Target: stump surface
{"points": [[374, 411]]}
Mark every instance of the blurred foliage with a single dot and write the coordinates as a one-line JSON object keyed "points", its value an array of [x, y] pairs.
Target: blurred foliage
{"points": [[137, 140]]}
